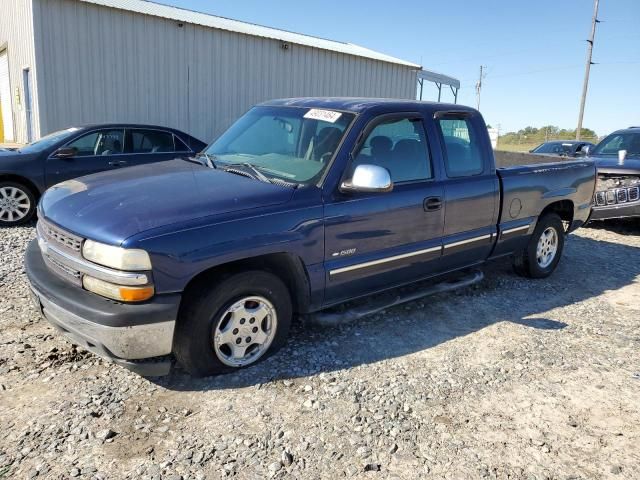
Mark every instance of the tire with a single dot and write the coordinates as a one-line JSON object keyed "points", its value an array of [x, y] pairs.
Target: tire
{"points": [[17, 204], [528, 263], [208, 336]]}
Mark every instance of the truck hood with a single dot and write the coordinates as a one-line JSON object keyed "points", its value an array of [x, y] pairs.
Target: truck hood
{"points": [[112, 206], [610, 164]]}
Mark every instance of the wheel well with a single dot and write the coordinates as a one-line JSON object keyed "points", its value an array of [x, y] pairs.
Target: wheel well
{"points": [[23, 181], [564, 209], [289, 268]]}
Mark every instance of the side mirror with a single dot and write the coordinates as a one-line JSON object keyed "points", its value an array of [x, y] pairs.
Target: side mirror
{"points": [[585, 149], [368, 178], [65, 152]]}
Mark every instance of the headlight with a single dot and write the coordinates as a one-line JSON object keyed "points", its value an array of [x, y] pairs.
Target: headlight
{"points": [[116, 257], [117, 292]]}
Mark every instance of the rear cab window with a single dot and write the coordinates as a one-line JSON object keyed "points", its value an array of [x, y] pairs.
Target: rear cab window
{"points": [[461, 146]]}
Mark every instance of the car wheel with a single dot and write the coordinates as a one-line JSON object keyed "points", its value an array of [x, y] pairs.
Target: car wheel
{"points": [[17, 204], [239, 322], [540, 257]]}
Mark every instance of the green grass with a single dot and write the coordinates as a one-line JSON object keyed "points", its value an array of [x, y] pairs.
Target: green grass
{"points": [[514, 147]]}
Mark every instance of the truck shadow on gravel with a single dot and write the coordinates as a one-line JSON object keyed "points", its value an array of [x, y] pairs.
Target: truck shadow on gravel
{"points": [[622, 226], [588, 268]]}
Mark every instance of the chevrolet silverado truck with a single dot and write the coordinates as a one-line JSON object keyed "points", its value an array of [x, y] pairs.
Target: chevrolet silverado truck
{"points": [[617, 159], [301, 205]]}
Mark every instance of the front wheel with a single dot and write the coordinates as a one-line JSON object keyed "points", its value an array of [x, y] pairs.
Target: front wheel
{"points": [[233, 324], [540, 257], [17, 204]]}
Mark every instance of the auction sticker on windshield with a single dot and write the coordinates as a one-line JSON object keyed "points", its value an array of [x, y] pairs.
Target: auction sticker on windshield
{"points": [[324, 115]]}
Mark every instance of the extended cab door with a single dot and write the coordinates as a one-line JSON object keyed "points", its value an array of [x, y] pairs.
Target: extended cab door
{"points": [[377, 240], [471, 189], [95, 151]]}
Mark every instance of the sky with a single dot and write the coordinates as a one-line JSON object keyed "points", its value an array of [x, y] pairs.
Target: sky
{"points": [[534, 52]]}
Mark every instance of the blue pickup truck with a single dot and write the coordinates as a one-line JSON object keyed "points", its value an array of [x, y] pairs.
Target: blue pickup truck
{"points": [[301, 205]]}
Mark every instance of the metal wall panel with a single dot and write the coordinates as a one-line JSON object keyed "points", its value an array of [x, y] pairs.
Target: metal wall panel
{"points": [[16, 36], [101, 64]]}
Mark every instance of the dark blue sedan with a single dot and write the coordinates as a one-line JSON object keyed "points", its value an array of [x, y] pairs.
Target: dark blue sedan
{"points": [[27, 172]]}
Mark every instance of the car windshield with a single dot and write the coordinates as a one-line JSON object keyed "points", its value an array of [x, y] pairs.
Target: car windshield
{"points": [[611, 145], [553, 147], [290, 143], [48, 141]]}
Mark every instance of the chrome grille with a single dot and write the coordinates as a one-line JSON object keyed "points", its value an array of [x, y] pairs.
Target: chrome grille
{"points": [[61, 237], [616, 196], [62, 270], [50, 237], [615, 189]]}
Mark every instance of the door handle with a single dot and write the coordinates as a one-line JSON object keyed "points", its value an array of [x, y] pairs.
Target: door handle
{"points": [[432, 203], [118, 163]]}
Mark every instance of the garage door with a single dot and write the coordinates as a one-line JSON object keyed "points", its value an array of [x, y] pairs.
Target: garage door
{"points": [[5, 98]]}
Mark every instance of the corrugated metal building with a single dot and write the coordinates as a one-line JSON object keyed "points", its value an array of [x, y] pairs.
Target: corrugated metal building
{"points": [[72, 62]]}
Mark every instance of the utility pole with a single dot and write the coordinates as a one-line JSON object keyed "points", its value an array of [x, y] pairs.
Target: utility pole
{"points": [[479, 87], [585, 86]]}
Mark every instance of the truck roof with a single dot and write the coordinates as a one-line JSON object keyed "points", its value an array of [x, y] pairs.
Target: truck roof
{"points": [[359, 105]]}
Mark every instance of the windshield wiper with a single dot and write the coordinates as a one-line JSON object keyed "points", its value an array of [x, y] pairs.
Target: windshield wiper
{"points": [[252, 168], [209, 159]]}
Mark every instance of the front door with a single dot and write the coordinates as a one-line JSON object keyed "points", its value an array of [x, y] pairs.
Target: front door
{"points": [[95, 151], [377, 240]]}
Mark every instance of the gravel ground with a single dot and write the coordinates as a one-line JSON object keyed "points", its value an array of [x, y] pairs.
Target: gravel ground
{"points": [[510, 378]]}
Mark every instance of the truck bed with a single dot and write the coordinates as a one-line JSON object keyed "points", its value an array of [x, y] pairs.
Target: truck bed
{"points": [[527, 189]]}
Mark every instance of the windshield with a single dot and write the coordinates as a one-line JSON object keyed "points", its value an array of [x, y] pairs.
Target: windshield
{"points": [[293, 144], [558, 148], [629, 141], [48, 141]]}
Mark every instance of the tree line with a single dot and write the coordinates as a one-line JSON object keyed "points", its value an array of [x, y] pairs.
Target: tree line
{"points": [[544, 134]]}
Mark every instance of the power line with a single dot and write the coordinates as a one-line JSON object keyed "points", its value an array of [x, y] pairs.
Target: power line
{"points": [[585, 86], [469, 83]]}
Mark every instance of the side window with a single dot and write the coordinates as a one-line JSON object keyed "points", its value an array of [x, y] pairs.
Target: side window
{"points": [[180, 145], [149, 141], [101, 142], [400, 146], [463, 157], [85, 146]]}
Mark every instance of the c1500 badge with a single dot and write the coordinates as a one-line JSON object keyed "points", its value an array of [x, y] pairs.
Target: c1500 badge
{"points": [[344, 253]]}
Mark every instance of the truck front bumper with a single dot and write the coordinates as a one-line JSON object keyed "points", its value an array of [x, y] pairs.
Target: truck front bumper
{"points": [[136, 336], [623, 210]]}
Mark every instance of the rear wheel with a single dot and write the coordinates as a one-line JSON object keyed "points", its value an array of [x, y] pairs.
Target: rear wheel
{"points": [[540, 257], [234, 324], [17, 204]]}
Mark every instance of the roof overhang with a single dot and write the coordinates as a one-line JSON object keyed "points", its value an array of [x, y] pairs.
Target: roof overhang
{"points": [[438, 78]]}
